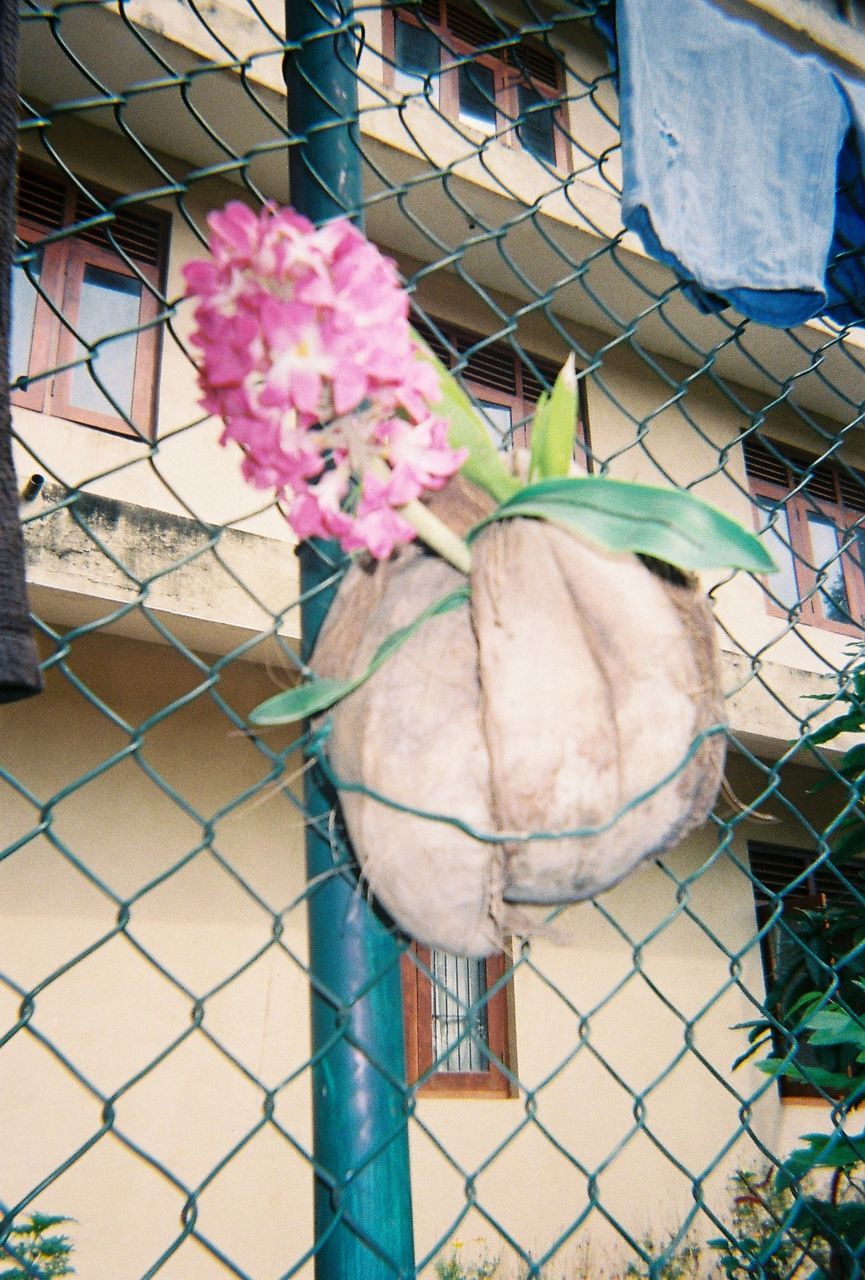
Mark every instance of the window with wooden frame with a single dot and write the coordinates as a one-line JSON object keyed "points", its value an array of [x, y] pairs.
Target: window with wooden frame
{"points": [[457, 1024], [788, 882], [84, 343], [504, 384], [480, 73], [811, 514]]}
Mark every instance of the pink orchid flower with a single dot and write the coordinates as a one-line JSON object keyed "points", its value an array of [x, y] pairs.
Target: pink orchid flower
{"points": [[308, 358]]}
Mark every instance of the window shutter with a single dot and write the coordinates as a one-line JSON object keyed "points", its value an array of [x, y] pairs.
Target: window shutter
{"points": [[852, 489], [537, 62], [824, 481], [760, 464], [776, 868], [429, 9], [442, 347], [532, 385], [493, 366], [134, 233], [41, 200], [473, 27]]}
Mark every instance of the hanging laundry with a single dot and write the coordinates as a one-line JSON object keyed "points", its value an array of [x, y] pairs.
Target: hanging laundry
{"points": [[742, 163]]}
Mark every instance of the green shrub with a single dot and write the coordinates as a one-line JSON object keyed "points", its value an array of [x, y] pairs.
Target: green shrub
{"points": [[35, 1254], [455, 1267]]}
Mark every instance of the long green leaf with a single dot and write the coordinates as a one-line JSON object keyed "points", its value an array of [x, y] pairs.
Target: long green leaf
{"points": [[817, 1077], [484, 466], [553, 427], [845, 1221], [822, 1151], [319, 694], [669, 524], [835, 1026], [850, 722]]}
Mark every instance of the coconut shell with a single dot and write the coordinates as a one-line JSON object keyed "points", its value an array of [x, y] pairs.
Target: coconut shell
{"points": [[566, 701]]}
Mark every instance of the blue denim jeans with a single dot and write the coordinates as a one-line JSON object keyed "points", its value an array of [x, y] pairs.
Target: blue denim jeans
{"points": [[742, 161]]}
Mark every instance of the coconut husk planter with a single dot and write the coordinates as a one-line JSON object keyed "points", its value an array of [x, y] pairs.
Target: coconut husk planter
{"points": [[571, 693]]}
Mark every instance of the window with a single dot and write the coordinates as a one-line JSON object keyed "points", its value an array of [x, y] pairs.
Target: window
{"points": [[96, 290], [812, 515], [503, 384], [457, 1022], [788, 884], [479, 72]]}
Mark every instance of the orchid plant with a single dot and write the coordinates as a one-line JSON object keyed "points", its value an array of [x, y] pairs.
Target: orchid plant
{"points": [[309, 359]]}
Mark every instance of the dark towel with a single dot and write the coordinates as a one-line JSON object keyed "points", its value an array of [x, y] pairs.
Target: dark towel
{"points": [[19, 670]]}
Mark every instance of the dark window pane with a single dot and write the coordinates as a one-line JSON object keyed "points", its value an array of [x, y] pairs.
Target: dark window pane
{"points": [[24, 297], [777, 542], [478, 97], [417, 60], [110, 303], [833, 600], [535, 127]]}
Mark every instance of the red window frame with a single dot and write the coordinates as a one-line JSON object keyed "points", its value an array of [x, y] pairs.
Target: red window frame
{"points": [[760, 466], [43, 337], [787, 1086], [467, 354], [777, 867], [508, 76], [65, 260], [492, 1083]]}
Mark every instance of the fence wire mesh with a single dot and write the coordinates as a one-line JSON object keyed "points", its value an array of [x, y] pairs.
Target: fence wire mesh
{"points": [[572, 1108]]}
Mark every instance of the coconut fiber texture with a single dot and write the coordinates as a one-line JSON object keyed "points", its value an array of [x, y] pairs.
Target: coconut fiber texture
{"points": [[19, 672], [573, 694]]}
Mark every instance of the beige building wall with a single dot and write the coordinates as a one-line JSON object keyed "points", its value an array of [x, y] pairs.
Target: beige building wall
{"points": [[623, 1026], [169, 885]]}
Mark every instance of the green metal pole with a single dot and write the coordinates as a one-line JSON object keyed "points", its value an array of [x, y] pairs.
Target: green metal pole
{"points": [[363, 1213]]}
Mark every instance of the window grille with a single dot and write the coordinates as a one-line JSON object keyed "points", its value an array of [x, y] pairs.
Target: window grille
{"points": [[157, 968]]}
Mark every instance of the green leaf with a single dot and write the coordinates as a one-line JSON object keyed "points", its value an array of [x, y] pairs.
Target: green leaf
{"points": [[845, 1221], [669, 524], [554, 426], [819, 1077], [850, 844], [849, 723], [317, 695], [853, 761], [822, 1151], [484, 466], [834, 1027]]}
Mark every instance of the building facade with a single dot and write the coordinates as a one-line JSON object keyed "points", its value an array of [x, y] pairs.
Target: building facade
{"points": [[154, 1078]]}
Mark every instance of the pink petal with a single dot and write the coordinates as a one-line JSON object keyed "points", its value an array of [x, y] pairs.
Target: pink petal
{"points": [[349, 387]]}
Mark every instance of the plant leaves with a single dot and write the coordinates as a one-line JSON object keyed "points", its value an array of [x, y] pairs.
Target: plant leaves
{"points": [[822, 1151], [553, 427], [834, 1026], [850, 843], [850, 722], [317, 695], [484, 466], [818, 1077], [852, 762], [669, 524], [845, 1220]]}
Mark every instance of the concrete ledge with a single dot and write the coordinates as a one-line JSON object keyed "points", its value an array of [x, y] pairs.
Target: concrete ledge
{"points": [[767, 703], [99, 562], [93, 558]]}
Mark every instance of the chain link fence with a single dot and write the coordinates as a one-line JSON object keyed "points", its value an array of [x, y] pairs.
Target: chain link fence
{"points": [[572, 1108]]}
